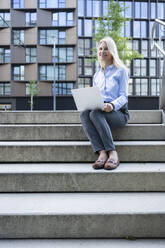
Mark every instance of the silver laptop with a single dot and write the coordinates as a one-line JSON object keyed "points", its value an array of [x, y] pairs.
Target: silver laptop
{"points": [[88, 98]]}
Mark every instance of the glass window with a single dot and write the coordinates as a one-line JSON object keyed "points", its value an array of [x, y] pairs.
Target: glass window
{"points": [[31, 55], [130, 87], [143, 67], [155, 87], [4, 55], [84, 82], [96, 8], [153, 10], [55, 19], [88, 67], [137, 9], [5, 88], [128, 29], [70, 54], [27, 89], [62, 19], [80, 66], [18, 37], [61, 3], [89, 8], [137, 87], [143, 29], [18, 72], [62, 54], [81, 8], [31, 19], [154, 53], [4, 19], [88, 27], [87, 47], [160, 10], [18, 3], [62, 37], [137, 29], [152, 68], [136, 63], [140, 66], [140, 29], [70, 20], [135, 45], [51, 36], [46, 72], [144, 10], [51, 3], [144, 48], [105, 7], [144, 87], [61, 72], [80, 33], [156, 32], [80, 47], [64, 88], [128, 10]]}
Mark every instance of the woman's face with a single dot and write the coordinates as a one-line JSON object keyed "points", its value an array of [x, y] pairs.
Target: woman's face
{"points": [[103, 53]]}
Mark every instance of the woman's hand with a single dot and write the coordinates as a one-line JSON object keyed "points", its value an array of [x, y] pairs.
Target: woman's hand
{"points": [[108, 107]]}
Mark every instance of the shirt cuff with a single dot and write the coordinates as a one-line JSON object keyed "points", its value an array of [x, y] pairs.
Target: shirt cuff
{"points": [[112, 105]]}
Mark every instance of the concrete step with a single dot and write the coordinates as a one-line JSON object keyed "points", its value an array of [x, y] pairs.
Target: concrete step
{"points": [[81, 178], [65, 117], [82, 215], [82, 243], [75, 132], [77, 151]]}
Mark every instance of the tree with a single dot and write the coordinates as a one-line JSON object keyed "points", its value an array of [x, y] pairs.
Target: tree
{"points": [[33, 90], [112, 25]]}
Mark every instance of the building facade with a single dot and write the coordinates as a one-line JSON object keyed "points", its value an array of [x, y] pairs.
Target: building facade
{"points": [[29, 30]]}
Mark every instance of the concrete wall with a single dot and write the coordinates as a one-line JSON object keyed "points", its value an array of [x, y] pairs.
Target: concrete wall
{"points": [[31, 72], [18, 88], [44, 54], [5, 36], [5, 4], [71, 37], [17, 18], [44, 18], [71, 3], [71, 72], [45, 89], [30, 4], [31, 36], [5, 72], [17, 54]]}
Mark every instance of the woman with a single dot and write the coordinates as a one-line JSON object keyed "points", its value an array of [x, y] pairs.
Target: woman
{"points": [[112, 79]]}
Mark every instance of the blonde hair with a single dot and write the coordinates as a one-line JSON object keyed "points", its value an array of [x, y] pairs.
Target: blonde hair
{"points": [[113, 50]]}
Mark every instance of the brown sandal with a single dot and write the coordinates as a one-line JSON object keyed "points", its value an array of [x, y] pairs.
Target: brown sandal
{"points": [[111, 164], [99, 164]]}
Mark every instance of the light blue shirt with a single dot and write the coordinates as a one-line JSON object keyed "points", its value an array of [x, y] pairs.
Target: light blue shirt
{"points": [[113, 84]]}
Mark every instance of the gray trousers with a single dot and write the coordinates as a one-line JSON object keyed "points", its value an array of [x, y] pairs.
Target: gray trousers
{"points": [[97, 126]]}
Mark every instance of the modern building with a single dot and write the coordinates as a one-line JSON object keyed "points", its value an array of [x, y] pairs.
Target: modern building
{"points": [[29, 31]]}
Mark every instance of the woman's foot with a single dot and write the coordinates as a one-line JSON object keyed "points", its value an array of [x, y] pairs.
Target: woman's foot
{"points": [[100, 162], [112, 162]]}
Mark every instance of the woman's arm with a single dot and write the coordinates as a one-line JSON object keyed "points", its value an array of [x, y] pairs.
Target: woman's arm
{"points": [[123, 90]]}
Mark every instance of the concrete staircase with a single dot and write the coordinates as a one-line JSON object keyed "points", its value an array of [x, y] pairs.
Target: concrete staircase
{"points": [[49, 190]]}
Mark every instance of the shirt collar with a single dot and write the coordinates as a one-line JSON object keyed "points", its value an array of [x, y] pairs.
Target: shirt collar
{"points": [[110, 67]]}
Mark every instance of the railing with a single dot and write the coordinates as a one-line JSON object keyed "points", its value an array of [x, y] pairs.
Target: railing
{"points": [[154, 44]]}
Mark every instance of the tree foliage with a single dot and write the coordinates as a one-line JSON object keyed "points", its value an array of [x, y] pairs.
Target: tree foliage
{"points": [[112, 25]]}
